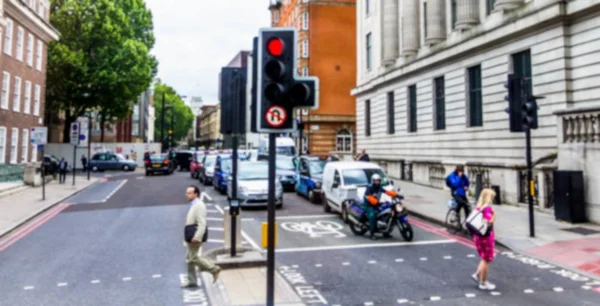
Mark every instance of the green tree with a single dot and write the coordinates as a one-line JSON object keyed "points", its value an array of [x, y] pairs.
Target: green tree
{"points": [[102, 61], [182, 115]]}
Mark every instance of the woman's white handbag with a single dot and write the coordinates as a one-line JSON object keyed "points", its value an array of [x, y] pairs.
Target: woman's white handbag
{"points": [[477, 224]]}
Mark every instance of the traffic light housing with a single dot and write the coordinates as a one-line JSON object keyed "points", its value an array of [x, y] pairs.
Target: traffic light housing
{"points": [[279, 89], [514, 109], [232, 96]]}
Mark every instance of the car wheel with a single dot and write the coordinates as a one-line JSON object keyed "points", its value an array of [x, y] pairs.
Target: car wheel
{"points": [[147, 173], [205, 180], [125, 168], [95, 169], [345, 213], [326, 207], [311, 196]]}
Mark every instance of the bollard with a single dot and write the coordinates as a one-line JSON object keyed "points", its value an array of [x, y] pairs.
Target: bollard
{"points": [[264, 235]]}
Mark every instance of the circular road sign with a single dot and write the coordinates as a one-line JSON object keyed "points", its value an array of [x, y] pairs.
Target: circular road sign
{"points": [[275, 116]]}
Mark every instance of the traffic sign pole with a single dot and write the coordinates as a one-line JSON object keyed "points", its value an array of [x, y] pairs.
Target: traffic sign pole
{"points": [[43, 176]]}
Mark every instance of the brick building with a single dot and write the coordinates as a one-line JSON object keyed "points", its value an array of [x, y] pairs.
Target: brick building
{"points": [[25, 33], [327, 49]]}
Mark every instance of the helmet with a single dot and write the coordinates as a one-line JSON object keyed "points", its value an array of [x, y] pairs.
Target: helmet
{"points": [[375, 177]]}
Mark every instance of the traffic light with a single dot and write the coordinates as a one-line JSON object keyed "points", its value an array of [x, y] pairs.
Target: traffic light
{"points": [[529, 112], [232, 96], [514, 105], [279, 89]]}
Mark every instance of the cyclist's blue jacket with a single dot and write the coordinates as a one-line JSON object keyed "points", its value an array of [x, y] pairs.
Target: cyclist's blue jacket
{"points": [[458, 183]]}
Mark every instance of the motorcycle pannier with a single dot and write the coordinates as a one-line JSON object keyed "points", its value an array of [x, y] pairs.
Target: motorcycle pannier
{"points": [[356, 211]]}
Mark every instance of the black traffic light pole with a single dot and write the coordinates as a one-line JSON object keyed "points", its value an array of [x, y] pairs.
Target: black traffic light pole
{"points": [[529, 181], [162, 122], [271, 223]]}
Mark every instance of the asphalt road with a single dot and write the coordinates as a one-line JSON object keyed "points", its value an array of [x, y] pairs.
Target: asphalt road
{"points": [[119, 243]]}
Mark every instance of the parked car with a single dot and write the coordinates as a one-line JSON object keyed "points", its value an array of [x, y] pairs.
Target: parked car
{"points": [[253, 185], [195, 164], [286, 170], [182, 160], [159, 163], [348, 180], [50, 164], [222, 171], [207, 169], [309, 177], [111, 161]]}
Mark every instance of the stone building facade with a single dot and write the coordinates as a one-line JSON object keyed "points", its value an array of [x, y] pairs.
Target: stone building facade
{"points": [[430, 88], [326, 44]]}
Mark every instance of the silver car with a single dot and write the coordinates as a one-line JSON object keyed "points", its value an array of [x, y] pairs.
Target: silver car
{"points": [[253, 185]]}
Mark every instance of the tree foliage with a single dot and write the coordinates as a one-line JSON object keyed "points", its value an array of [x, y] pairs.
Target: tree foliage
{"points": [[182, 116], [102, 60]]}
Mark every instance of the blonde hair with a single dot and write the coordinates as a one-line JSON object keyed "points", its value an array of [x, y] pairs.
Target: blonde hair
{"points": [[487, 196]]}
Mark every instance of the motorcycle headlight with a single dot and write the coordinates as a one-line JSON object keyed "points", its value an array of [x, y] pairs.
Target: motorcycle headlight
{"points": [[399, 208]]}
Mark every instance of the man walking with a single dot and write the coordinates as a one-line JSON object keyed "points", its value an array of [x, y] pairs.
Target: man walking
{"points": [[84, 162], [197, 216], [363, 156], [62, 171]]}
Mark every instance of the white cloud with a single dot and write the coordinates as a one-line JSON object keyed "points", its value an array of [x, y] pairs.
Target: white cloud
{"points": [[195, 38]]}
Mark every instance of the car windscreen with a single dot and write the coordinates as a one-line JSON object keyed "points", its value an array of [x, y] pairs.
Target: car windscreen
{"points": [[362, 177], [316, 166], [210, 160], [253, 171], [284, 163], [226, 164], [290, 151]]}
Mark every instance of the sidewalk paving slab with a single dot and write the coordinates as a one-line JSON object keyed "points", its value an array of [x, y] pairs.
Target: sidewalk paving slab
{"points": [[21, 207], [554, 241]]}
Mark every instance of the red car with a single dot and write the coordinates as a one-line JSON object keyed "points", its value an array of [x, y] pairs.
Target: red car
{"points": [[196, 164]]}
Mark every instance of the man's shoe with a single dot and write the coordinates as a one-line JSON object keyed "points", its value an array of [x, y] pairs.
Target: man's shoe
{"points": [[215, 274], [189, 285]]}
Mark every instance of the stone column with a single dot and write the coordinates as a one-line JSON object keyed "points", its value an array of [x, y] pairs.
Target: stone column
{"points": [[467, 14], [436, 21], [501, 5], [390, 31], [410, 27]]}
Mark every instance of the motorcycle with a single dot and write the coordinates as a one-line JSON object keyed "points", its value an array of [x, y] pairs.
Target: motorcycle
{"points": [[390, 213]]}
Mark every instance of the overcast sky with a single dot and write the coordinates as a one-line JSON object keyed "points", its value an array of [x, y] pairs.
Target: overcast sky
{"points": [[195, 38]]}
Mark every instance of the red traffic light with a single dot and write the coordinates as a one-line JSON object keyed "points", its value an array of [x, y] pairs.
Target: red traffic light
{"points": [[275, 46]]}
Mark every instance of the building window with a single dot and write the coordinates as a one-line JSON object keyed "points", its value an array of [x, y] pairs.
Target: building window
{"points": [[390, 113], [20, 34], [5, 90], [305, 48], [30, 50], [522, 73], [8, 37], [453, 12], [27, 98], [36, 100], [440, 104], [17, 99], [475, 102], [368, 6], [368, 118], [276, 16], [14, 143], [2, 145], [305, 21], [38, 55], [24, 146], [368, 51], [41, 9], [412, 108], [343, 141], [490, 6], [304, 71]]}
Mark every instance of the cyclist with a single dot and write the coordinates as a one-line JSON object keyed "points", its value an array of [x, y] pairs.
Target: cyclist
{"points": [[458, 182]]}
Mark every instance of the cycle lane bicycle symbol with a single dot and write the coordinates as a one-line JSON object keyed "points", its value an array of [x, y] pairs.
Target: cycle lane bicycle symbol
{"points": [[316, 229]]}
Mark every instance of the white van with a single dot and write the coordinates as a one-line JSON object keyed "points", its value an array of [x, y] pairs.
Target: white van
{"points": [[348, 180], [284, 146]]}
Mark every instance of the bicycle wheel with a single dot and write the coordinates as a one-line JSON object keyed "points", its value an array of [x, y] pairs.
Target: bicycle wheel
{"points": [[453, 221]]}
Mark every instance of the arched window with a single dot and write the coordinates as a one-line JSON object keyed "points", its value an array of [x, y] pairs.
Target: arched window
{"points": [[343, 141]]}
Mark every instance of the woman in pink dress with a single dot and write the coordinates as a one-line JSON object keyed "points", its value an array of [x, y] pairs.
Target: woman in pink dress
{"points": [[485, 244]]}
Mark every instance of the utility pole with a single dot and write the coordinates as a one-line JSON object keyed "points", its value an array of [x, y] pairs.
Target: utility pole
{"points": [[172, 126]]}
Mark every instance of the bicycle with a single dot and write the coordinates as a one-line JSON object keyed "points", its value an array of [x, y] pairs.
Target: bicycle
{"points": [[454, 222]]}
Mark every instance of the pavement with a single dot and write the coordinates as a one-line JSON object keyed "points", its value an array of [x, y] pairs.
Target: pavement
{"points": [[119, 243], [575, 246]]}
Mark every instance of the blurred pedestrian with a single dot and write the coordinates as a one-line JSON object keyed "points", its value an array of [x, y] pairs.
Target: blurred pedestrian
{"points": [[62, 170], [196, 233], [84, 162], [363, 156], [485, 243]]}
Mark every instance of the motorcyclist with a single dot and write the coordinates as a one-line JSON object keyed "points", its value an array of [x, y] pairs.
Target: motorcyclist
{"points": [[371, 201]]}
